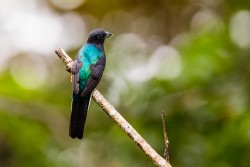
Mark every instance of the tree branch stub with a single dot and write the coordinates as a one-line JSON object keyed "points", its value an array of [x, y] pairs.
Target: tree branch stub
{"points": [[166, 142]]}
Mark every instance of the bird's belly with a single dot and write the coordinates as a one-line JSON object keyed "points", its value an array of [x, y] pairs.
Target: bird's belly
{"points": [[83, 77]]}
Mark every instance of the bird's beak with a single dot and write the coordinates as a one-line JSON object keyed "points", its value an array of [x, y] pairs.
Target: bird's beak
{"points": [[108, 34]]}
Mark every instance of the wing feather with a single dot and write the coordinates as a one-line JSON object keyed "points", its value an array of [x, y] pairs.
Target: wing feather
{"points": [[95, 76], [75, 74]]}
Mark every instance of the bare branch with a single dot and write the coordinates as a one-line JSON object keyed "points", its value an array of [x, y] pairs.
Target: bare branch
{"points": [[65, 58], [166, 154], [118, 119]]}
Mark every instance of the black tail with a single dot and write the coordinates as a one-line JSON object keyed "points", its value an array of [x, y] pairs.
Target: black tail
{"points": [[78, 116]]}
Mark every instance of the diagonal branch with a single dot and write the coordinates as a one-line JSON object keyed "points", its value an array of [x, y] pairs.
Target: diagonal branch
{"points": [[118, 119]]}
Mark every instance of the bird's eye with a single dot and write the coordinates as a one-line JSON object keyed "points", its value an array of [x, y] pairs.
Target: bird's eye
{"points": [[99, 36]]}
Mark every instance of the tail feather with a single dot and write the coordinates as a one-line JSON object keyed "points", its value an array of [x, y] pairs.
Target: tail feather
{"points": [[78, 117]]}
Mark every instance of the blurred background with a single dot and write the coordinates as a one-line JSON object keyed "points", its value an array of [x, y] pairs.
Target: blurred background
{"points": [[189, 58]]}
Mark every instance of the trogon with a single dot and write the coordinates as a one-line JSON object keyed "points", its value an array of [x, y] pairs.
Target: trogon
{"points": [[87, 71]]}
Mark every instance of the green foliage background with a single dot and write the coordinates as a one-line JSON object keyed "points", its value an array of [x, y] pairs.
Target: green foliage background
{"points": [[206, 101]]}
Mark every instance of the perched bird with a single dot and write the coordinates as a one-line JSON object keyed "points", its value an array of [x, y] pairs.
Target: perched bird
{"points": [[87, 71]]}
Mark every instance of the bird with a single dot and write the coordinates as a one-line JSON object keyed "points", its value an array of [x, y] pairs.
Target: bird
{"points": [[87, 71]]}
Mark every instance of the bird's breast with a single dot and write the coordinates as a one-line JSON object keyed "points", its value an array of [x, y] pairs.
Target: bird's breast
{"points": [[90, 55]]}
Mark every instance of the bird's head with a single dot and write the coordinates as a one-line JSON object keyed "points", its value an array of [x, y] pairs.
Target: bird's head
{"points": [[97, 36]]}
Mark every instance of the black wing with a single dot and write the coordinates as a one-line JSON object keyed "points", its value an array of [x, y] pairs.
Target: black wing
{"points": [[75, 74], [95, 76]]}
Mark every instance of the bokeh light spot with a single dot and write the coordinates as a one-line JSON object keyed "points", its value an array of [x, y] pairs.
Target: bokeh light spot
{"points": [[166, 61], [35, 27], [67, 4], [239, 29], [206, 20], [29, 71]]}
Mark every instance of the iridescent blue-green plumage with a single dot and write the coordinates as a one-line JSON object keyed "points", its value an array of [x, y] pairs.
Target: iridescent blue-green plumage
{"points": [[88, 55], [87, 71]]}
